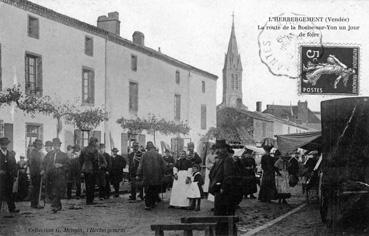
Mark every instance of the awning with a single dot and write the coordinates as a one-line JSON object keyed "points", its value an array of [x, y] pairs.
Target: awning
{"points": [[309, 141]]}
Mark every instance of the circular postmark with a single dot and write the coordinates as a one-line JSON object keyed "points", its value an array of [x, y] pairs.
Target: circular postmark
{"points": [[279, 41]]}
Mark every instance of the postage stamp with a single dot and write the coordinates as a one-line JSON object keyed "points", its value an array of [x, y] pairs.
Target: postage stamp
{"points": [[329, 70], [279, 41]]}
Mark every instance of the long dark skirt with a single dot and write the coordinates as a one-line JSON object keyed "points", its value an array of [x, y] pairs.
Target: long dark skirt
{"points": [[249, 185], [268, 190]]}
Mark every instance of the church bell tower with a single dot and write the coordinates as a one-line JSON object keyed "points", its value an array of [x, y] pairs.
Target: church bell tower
{"points": [[232, 74]]}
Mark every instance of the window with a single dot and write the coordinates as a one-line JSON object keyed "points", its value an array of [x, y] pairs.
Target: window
{"points": [[33, 132], [33, 27], [1, 70], [133, 96], [203, 86], [264, 129], [134, 62], [89, 46], [33, 74], [88, 86], [236, 82], [2, 134], [85, 136], [178, 77], [203, 116], [177, 107]]}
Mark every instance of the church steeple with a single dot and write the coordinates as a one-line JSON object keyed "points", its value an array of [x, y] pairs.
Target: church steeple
{"points": [[232, 74]]}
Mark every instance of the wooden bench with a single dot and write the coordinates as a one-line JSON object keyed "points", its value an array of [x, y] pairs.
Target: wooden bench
{"points": [[209, 228], [231, 220]]}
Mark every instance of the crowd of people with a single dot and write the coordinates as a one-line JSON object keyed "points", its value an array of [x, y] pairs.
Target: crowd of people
{"points": [[227, 179]]}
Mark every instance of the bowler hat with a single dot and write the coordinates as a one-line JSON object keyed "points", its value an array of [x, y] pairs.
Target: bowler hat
{"points": [[277, 153], [221, 144], [115, 150], [4, 141], [48, 143], [149, 145], [56, 141]]}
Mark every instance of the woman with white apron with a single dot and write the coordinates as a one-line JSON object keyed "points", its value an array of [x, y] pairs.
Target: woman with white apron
{"points": [[182, 174]]}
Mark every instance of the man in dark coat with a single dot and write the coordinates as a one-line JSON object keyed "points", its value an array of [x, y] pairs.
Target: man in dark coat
{"points": [[56, 165], [194, 157], [8, 173], [75, 172], [134, 159], [107, 170], [35, 166], [223, 184], [151, 170], [118, 164], [89, 161], [102, 169]]}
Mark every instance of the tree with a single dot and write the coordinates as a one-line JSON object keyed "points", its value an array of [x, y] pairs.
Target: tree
{"points": [[152, 125], [84, 119]]}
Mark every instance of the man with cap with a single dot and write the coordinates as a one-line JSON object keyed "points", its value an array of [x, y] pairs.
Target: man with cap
{"points": [[151, 171], [35, 166], [8, 173], [101, 172], [107, 170], [194, 157], [89, 161], [134, 159], [222, 183], [118, 164], [56, 165]]}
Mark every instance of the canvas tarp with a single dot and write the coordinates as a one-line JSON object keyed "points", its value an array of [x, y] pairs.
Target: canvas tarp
{"points": [[289, 142]]}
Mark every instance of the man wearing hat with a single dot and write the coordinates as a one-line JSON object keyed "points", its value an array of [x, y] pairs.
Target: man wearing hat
{"points": [[134, 159], [89, 161], [35, 166], [48, 148], [118, 164], [56, 165], [194, 157], [151, 171], [107, 170], [8, 173]]}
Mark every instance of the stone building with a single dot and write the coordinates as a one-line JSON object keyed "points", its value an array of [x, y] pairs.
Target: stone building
{"points": [[49, 53]]}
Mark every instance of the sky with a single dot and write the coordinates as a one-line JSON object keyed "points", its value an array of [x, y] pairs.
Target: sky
{"points": [[197, 32]]}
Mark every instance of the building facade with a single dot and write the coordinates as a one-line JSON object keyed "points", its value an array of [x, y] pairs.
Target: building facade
{"points": [[48, 53]]}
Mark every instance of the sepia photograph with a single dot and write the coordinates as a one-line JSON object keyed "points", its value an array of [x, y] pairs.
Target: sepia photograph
{"points": [[184, 117]]}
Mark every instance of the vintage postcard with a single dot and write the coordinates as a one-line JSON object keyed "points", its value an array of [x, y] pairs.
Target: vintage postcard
{"points": [[184, 117]]}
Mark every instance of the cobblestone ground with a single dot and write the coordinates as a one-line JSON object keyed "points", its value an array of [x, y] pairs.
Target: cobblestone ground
{"points": [[119, 216]]}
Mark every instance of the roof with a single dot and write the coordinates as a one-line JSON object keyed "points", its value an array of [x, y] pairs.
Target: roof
{"points": [[289, 112], [267, 117], [72, 22]]}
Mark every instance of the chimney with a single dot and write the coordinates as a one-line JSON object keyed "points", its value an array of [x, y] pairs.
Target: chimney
{"points": [[109, 23], [258, 106], [138, 38]]}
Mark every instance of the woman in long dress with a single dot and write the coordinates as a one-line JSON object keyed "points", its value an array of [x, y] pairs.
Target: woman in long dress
{"points": [[281, 179], [182, 172], [249, 179], [268, 190]]}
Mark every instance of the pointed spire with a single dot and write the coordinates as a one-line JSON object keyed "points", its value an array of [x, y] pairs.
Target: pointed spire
{"points": [[232, 44]]}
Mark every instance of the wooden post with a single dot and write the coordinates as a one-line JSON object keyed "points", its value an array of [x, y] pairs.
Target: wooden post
{"points": [[230, 226]]}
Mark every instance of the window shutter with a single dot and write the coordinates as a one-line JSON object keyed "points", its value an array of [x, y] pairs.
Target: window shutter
{"points": [[39, 77], [26, 73], [142, 139], [203, 116], [8, 132], [124, 143], [78, 137], [91, 84], [97, 134]]}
